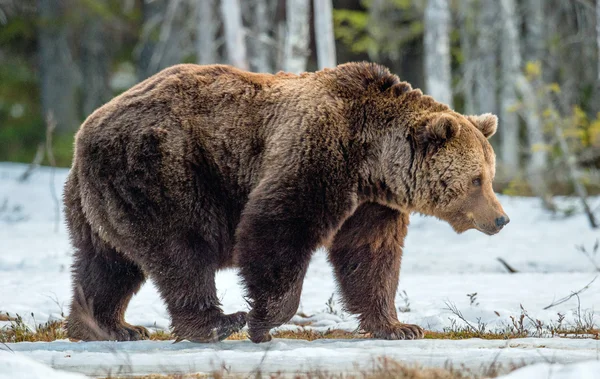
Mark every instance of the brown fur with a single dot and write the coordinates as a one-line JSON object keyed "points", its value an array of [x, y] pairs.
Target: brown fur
{"points": [[200, 168]]}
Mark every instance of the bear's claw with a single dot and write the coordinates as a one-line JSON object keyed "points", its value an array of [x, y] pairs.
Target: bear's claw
{"points": [[118, 332], [400, 332], [261, 337], [226, 326]]}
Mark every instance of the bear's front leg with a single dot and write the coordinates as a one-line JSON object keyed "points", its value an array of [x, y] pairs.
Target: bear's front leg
{"points": [[273, 254], [366, 255], [279, 230]]}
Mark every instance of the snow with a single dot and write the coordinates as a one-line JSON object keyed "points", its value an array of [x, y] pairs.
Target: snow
{"points": [[18, 366], [100, 358], [583, 370], [439, 269]]}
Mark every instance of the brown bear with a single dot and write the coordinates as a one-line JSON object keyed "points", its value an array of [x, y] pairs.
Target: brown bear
{"points": [[201, 168]]}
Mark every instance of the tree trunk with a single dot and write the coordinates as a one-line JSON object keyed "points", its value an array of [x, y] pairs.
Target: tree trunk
{"points": [[235, 39], [538, 160], [206, 32], [598, 34], [325, 40], [167, 51], [296, 41], [437, 51], [466, 29], [57, 70], [511, 68], [534, 28], [95, 58], [152, 12], [486, 85], [375, 29], [260, 43]]}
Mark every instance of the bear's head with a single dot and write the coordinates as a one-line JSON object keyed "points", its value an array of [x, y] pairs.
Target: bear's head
{"points": [[450, 166], [458, 171]]}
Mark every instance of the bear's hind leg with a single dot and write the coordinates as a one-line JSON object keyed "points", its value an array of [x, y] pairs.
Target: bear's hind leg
{"points": [[103, 284], [366, 255], [104, 280]]}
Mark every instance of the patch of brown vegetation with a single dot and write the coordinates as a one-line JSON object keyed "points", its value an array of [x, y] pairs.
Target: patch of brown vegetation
{"points": [[18, 331], [383, 368]]}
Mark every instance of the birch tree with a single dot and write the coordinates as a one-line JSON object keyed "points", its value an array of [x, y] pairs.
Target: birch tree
{"points": [[235, 39], [511, 69], [168, 50], [206, 32], [324, 37], [296, 41], [486, 83], [95, 58], [466, 27], [58, 80], [260, 43], [437, 51], [538, 158], [598, 33], [160, 17], [534, 28]]}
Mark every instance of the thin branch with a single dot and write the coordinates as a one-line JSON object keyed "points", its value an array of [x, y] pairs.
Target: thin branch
{"points": [[37, 161], [508, 267], [164, 36], [452, 308], [50, 127], [568, 297]]}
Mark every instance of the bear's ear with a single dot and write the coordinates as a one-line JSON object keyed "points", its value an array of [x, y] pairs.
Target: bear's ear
{"points": [[441, 129], [487, 123]]}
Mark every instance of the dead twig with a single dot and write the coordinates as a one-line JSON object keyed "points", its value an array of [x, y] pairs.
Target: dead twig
{"points": [[591, 256], [508, 267], [568, 297], [50, 127], [452, 308], [37, 161]]}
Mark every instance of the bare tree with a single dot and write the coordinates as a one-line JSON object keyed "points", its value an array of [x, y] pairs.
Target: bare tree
{"points": [[296, 40], [466, 28], [206, 32], [95, 58], [168, 50], [235, 41], [486, 83], [511, 69], [325, 39], [151, 15], [534, 28], [58, 75], [261, 46], [598, 33], [437, 51], [167, 19], [538, 158]]}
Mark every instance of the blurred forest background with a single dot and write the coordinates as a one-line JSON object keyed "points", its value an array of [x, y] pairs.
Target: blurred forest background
{"points": [[534, 63]]}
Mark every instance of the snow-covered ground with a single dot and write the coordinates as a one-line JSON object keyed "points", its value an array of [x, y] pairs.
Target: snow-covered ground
{"points": [[439, 268]]}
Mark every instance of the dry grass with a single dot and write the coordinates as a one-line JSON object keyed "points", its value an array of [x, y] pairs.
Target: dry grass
{"points": [[18, 331], [383, 368], [52, 331]]}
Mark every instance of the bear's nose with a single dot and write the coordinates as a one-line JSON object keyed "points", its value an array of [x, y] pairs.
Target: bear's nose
{"points": [[501, 221]]}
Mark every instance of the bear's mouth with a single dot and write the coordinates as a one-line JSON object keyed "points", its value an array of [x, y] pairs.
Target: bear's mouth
{"points": [[487, 230]]}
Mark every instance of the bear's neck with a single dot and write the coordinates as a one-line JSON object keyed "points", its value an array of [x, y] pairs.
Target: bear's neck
{"points": [[388, 173]]}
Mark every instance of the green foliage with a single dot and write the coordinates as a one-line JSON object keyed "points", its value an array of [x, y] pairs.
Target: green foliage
{"points": [[21, 125], [400, 23]]}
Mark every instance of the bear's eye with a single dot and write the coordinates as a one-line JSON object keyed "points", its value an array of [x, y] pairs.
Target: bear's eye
{"points": [[477, 182]]}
